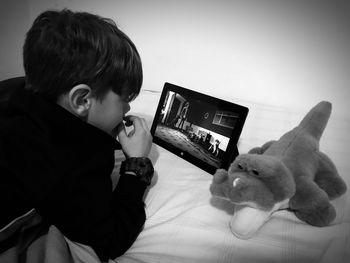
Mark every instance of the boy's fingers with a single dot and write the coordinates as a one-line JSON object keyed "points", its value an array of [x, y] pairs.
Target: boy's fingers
{"points": [[136, 121], [144, 124], [121, 131]]}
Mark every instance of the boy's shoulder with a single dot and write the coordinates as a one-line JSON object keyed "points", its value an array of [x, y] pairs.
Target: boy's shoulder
{"points": [[17, 121], [8, 87]]}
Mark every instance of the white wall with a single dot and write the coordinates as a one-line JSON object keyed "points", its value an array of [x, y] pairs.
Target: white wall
{"points": [[14, 23], [290, 53]]}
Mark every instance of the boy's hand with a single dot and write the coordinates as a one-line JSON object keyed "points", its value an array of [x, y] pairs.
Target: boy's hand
{"points": [[139, 141]]}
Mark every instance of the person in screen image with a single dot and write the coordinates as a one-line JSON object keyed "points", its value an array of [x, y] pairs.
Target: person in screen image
{"points": [[183, 115], [214, 148]]}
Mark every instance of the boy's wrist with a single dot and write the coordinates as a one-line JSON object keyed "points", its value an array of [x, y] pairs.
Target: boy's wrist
{"points": [[141, 167]]}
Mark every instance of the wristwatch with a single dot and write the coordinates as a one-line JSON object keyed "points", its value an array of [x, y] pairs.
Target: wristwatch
{"points": [[141, 167]]}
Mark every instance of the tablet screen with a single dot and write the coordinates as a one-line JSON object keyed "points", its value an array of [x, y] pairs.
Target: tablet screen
{"points": [[203, 130]]}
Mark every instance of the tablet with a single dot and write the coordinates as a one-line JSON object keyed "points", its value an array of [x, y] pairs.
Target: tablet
{"points": [[201, 129]]}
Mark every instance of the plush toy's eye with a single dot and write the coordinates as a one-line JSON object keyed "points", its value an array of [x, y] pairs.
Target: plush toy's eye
{"points": [[255, 172], [240, 166]]}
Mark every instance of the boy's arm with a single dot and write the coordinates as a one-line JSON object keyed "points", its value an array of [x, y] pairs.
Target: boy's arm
{"points": [[112, 236], [86, 211], [109, 222], [128, 203], [110, 228], [136, 174], [128, 206]]}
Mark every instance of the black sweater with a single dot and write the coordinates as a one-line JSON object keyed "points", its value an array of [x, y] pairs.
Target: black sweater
{"points": [[54, 162]]}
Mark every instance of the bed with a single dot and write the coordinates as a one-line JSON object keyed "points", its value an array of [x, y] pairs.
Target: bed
{"points": [[186, 224]]}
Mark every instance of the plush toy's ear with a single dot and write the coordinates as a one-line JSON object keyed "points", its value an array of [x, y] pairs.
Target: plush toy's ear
{"points": [[262, 149], [218, 185], [220, 176]]}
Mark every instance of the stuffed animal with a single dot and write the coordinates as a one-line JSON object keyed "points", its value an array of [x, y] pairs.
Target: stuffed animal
{"points": [[290, 173]]}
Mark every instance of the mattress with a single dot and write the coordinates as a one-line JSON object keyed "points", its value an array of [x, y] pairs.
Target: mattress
{"points": [[185, 223]]}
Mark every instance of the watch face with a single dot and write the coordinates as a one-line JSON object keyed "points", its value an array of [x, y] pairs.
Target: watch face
{"points": [[142, 167]]}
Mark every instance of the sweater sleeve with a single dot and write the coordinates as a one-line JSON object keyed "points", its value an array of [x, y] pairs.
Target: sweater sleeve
{"points": [[85, 210], [112, 238]]}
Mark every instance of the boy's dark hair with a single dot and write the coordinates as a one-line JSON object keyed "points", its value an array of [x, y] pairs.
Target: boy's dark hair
{"points": [[65, 48]]}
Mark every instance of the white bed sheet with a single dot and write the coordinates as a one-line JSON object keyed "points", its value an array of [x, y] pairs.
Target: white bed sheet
{"points": [[186, 224]]}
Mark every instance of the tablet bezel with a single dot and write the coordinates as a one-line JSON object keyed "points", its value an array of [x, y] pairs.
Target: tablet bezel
{"points": [[231, 150]]}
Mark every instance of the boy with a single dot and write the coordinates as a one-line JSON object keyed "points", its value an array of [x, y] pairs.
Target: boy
{"points": [[58, 129]]}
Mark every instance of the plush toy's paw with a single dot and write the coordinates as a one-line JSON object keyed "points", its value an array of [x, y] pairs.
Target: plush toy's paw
{"points": [[322, 216], [311, 204], [327, 177]]}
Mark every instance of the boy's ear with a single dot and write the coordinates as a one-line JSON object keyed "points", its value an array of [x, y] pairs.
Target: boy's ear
{"points": [[79, 99]]}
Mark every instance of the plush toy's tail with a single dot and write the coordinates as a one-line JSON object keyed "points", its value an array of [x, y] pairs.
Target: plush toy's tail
{"points": [[316, 120]]}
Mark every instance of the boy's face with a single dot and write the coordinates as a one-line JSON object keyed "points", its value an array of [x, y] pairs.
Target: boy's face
{"points": [[107, 113]]}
